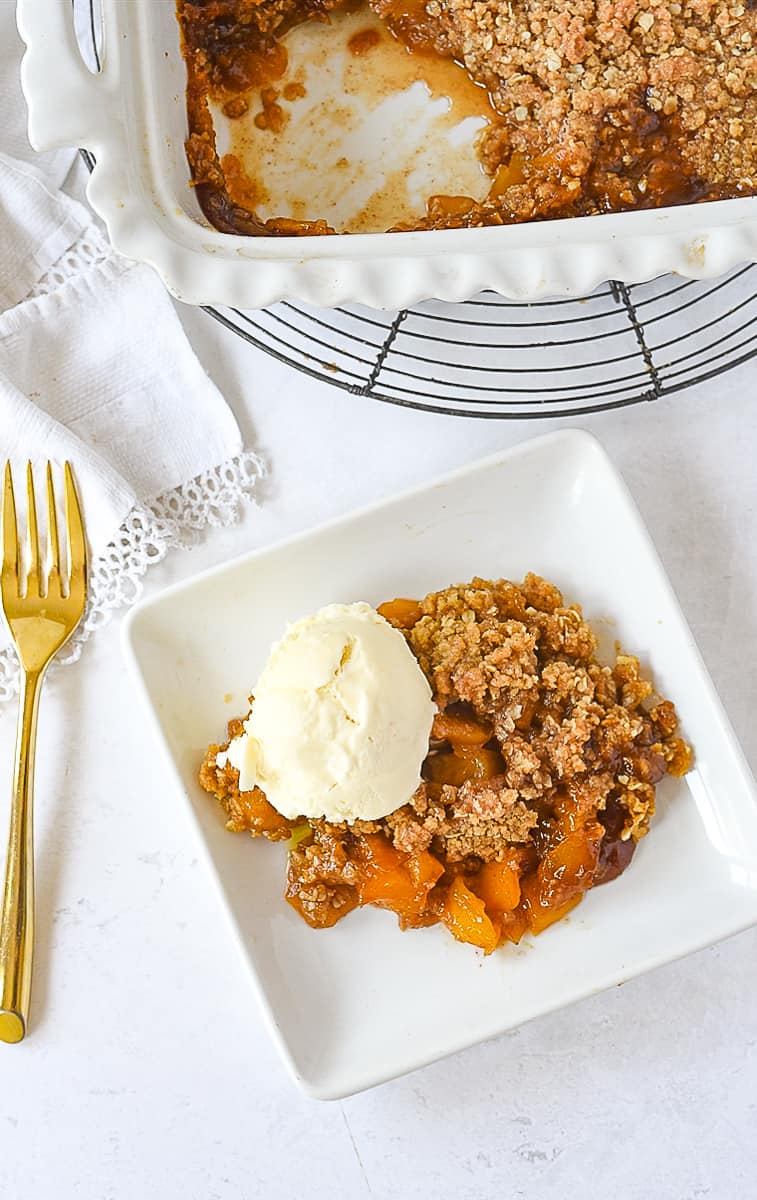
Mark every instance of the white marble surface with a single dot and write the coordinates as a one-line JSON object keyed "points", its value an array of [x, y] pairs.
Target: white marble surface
{"points": [[148, 1072]]}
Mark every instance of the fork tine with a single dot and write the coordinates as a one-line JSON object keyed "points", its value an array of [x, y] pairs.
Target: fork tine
{"points": [[33, 577], [53, 541], [77, 545], [10, 528]]}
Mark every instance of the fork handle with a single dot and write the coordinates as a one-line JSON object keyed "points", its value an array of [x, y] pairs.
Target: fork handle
{"points": [[17, 920]]}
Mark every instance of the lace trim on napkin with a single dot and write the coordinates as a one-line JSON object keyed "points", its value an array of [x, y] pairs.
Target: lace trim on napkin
{"points": [[90, 248], [173, 521]]}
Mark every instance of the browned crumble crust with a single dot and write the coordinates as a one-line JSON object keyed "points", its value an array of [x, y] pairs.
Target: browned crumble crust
{"points": [[576, 78], [522, 659], [567, 732]]}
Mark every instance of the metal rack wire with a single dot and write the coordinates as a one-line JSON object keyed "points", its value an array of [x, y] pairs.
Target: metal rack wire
{"points": [[493, 358]]}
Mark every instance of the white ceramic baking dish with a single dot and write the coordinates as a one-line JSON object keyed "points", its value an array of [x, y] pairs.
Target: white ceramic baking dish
{"points": [[132, 118]]}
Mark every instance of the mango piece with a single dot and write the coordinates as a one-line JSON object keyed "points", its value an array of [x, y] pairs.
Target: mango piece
{"points": [[251, 810], [529, 710], [498, 885], [460, 730], [424, 869], [540, 916], [384, 879], [485, 764], [508, 175], [565, 872], [466, 763], [390, 879], [569, 866], [465, 917], [401, 612], [513, 925], [447, 768]]}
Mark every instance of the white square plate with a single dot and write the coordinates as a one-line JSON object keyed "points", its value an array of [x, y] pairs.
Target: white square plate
{"points": [[363, 1002]]}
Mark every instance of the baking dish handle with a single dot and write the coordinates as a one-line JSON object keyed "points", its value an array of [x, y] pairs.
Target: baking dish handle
{"points": [[68, 105]]}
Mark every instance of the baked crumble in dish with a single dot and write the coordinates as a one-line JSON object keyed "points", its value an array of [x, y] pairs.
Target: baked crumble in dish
{"points": [[595, 106], [538, 784]]}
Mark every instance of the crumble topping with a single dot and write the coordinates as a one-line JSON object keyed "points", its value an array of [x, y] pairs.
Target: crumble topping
{"points": [[560, 70]]}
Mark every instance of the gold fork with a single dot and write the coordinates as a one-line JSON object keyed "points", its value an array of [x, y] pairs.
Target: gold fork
{"points": [[40, 622]]}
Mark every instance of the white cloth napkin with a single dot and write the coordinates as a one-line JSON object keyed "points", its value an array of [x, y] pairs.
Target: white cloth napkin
{"points": [[95, 368]]}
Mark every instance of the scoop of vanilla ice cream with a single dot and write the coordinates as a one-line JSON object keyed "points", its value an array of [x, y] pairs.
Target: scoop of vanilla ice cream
{"points": [[340, 719]]}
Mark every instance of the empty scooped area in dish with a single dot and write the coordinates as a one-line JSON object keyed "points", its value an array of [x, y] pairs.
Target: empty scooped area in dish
{"points": [[355, 130]]}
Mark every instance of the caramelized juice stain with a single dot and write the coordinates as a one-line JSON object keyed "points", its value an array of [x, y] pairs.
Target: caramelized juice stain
{"points": [[241, 184], [363, 42], [362, 131], [393, 68], [245, 69], [271, 116]]}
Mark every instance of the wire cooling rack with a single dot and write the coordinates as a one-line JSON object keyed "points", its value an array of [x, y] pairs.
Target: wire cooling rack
{"points": [[490, 357]]}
